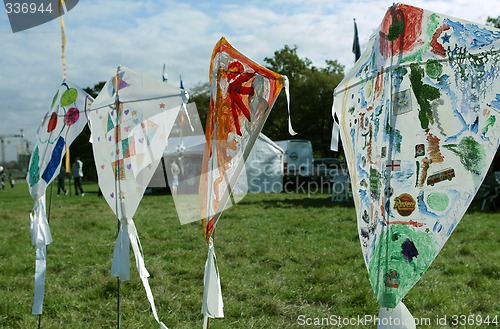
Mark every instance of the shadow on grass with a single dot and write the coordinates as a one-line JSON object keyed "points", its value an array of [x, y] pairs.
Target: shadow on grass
{"points": [[298, 200]]}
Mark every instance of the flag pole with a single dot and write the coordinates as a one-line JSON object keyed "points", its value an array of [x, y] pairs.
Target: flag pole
{"points": [[356, 49]]}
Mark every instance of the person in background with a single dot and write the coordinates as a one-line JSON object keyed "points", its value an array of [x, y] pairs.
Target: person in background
{"points": [[2, 173], [12, 182], [175, 177], [60, 181], [77, 173]]}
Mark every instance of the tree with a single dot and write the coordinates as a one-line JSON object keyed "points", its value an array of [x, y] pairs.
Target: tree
{"points": [[311, 93], [200, 95], [494, 21], [81, 146]]}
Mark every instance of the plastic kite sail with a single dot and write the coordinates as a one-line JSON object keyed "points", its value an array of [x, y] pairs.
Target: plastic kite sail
{"points": [[242, 95], [131, 120], [418, 119], [60, 126]]}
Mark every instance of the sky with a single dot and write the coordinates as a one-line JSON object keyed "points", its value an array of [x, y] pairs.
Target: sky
{"points": [[148, 34]]}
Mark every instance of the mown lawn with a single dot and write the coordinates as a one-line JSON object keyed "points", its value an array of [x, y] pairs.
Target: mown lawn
{"points": [[282, 258]]}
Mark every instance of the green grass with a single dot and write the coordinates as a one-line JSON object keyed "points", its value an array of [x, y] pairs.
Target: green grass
{"points": [[280, 257]]}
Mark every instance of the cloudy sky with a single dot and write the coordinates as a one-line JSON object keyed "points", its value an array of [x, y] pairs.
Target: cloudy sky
{"points": [[144, 35]]}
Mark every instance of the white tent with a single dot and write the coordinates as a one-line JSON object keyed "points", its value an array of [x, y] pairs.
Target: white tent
{"points": [[264, 167], [263, 174], [187, 152]]}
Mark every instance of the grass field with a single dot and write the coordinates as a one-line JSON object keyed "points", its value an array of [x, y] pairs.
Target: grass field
{"points": [[283, 259]]}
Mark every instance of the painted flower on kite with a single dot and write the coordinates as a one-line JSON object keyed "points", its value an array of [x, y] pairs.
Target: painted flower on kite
{"points": [[71, 116]]}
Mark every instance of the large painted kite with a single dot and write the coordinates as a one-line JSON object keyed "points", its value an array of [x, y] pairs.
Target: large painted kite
{"points": [[242, 95], [418, 119], [131, 119], [60, 126]]}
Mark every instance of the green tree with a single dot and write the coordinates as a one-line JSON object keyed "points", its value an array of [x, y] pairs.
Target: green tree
{"points": [[81, 146], [311, 98], [494, 21], [200, 95]]}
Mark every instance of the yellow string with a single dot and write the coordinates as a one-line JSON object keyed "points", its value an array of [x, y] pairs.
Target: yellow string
{"points": [[63, 39], [63, 62]]}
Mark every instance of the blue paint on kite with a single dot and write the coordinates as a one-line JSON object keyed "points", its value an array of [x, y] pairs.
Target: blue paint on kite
{"points": [[55, 160]]}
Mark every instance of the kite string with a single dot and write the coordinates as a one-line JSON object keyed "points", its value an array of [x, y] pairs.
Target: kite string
{"points": [[63, 38]]}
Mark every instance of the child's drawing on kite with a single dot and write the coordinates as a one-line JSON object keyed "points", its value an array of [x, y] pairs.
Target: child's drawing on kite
{"points": [[60, 126], [418, 119]]}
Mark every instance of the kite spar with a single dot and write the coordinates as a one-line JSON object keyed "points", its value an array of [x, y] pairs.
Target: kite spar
{"points": [[242, 95], [131, 119], [418, 120]]}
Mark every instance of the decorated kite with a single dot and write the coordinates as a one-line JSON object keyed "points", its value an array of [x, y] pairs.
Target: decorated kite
{"points": [[417, 117], [242, 95], [60, 126], [131, 119]]}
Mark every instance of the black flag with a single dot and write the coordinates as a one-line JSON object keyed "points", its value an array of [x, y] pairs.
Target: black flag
{"points": [[355, 45]]}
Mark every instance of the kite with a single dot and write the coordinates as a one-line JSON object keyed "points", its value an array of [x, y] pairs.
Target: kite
{"points": [[130, 120], [418, 120], [60, 126], [242, 95]]}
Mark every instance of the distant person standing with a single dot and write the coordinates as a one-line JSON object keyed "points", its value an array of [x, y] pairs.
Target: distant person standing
{"points": [[61, 186], [2, 173], [11, 180], [77, 173], [175, 177]]}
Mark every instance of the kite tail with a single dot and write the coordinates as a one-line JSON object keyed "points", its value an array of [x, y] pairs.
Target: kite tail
{"points": [[396, 318], [40, 237], [287, 93], [121, 261], [212, 305], [185, 99], [334, 143]]}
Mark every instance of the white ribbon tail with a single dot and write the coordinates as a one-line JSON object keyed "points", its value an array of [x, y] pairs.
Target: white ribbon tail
{"points": [[121, 256], [287, 93], [39, 225], [396, 318], [40, 266], [121, 262], [185, 98], [334, 145], [212, 305], [40, 237]]}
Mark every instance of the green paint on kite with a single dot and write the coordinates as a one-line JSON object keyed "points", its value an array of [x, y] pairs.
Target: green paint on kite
{"points": [[433, 68], [396, 28], [391, 272], [68, 97], [424, 94], [438, 201], [54, 99], [417, 172], [34, 169], [490, 122], [470, 152]]}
